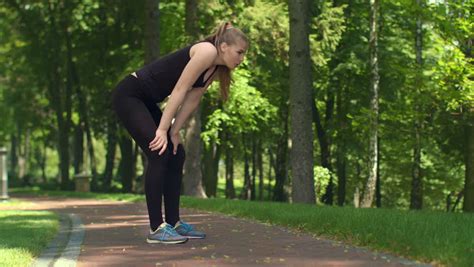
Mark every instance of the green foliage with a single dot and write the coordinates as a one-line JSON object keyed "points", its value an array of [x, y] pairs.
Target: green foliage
{"points": [[246, 111], [321, 179], [107, 44], [326, 33]]}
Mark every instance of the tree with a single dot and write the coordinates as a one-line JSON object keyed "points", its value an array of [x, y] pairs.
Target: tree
{"points": [[416, 199], [455, 21], [301, 153], [192, 179], [369, 189]]}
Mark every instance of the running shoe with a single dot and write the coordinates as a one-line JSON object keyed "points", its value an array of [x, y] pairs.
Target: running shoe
{"points": [[165, 234], [188, 230]]}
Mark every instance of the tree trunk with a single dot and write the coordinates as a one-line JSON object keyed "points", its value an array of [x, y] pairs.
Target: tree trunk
{"points": [[13, 173], [378, 185], [151, 48], [64, 151], [63, 143], [111, 150], [23, 157], [341, 173], [271, 165], [78, 150], [254, 167], [127, 163], [43, 162], [246, 192], [416, 197], [328, 197], [369, 189], [211, 161], [323, 139], [60, 100], [260, 171], [192, 178], [341, 147], [357, 197], [281, 171], [301, 154], [229, 171], [152, 33], [191, 20], [469, 162], [73, 78]]}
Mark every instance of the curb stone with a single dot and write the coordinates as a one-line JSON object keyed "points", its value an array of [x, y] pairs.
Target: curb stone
{"points": [[65, 248]]}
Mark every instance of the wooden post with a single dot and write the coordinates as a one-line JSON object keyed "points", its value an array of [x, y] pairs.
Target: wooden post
{"points": [[3, 175]]}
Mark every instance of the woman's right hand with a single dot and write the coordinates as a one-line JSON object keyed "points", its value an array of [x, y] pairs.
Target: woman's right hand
{"points": [[160, 142]]}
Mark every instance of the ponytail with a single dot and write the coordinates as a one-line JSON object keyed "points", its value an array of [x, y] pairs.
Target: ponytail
{"points": [[225, 33]]}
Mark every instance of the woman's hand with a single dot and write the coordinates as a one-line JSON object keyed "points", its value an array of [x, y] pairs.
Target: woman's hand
{"points": [[176, 140], [159, 142]]}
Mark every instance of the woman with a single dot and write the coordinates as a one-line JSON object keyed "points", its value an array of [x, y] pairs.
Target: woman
{"points": [[184, 76]]}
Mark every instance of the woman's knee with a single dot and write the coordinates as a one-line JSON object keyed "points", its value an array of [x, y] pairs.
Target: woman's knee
{"points": [[154, 157], [180, 155]]}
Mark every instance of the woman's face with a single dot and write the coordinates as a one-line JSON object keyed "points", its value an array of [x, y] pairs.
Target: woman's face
{"points": [[233, 54]]}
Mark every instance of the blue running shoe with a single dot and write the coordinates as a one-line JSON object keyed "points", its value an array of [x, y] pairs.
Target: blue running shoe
{"points": [[165, 234], [188, 231]]}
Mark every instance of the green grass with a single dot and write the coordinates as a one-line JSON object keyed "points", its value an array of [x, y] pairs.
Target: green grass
{"points": [[427, 236], [24, 234]]}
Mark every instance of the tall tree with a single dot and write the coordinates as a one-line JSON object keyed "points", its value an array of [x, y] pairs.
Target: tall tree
{"points": [[151, 47], [455, 20], [301, 152], [369, 189], [416, 199], [112, 129], [61, 96], [469, 158], [192, 178], [280, 166], [152, 33], [73, 80]]}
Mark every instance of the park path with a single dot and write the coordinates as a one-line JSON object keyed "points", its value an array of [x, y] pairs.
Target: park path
{"points": [[115, 236]]}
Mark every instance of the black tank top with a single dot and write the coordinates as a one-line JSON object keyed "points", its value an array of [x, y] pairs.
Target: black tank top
{"points": [[159, 77]]}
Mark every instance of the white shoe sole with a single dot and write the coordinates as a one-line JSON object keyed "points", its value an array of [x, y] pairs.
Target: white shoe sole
{"points": [[152, 241]]}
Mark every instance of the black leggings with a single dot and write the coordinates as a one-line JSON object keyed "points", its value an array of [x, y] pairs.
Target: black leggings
{"points": [[163, 175]]}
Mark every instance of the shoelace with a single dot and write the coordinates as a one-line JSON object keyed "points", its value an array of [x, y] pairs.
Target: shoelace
{"points": [[186, 226], [171, 231], [168, 230]]}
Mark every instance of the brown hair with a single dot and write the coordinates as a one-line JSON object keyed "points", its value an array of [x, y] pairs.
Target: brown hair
{"points": [[225, 33]]}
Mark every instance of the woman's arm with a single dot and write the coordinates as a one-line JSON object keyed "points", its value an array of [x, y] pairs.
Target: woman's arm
{"points": [[202, 59], [190, 104]]}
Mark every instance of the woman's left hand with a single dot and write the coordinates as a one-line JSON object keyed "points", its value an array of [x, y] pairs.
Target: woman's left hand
{"points": [[176, 140]]}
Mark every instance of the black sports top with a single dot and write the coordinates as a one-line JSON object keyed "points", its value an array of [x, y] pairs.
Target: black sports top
{"points": [[159, 77]]}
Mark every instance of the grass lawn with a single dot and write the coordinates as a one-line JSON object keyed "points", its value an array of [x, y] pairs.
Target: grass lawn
{"points": [[436, 237], [24, 234]]}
